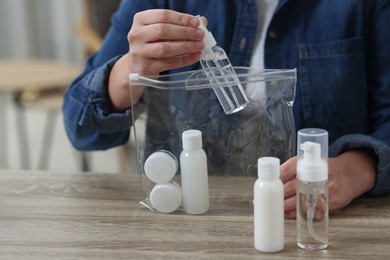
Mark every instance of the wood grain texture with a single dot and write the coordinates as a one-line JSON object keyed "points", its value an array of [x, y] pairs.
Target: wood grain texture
{"points": [[47, 215]]}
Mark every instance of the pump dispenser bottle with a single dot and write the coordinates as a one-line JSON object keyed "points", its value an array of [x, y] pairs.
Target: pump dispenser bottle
{"points": [[194, 176], [216, 63], [268, 206], [312, 189]]}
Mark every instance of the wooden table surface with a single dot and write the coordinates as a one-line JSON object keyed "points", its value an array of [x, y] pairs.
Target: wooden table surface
{"points": [[45, 215]]}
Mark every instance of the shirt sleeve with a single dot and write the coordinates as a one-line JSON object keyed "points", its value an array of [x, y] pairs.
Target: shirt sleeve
{"points": [[379, 148], [378, 58], [89, 123]]}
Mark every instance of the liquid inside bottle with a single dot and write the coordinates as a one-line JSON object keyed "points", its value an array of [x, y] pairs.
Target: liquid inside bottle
{"points": [[312, 215], [218, 68], [228, 88]]}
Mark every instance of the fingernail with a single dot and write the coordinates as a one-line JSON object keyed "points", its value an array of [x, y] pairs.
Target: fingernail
{"points": [[199, 33], [194, 21], [199, 45]]}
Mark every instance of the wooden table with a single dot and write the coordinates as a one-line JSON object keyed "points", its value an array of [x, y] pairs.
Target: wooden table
{"points": [[19, 78], [46, 215]]}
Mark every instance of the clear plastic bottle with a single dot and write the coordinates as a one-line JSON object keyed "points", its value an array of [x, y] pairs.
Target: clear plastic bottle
{"points": [[268, 207], [312, 189], [194, 176], [216, 63]]}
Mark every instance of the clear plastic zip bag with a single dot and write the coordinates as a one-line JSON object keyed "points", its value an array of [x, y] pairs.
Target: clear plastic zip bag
{"points": [[177, 102]]}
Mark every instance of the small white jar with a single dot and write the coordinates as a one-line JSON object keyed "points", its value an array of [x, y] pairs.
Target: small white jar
{"points": [[166, 198], [161, 166]]}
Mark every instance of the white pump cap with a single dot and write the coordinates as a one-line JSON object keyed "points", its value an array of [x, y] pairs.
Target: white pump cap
{"points": [[208, 40], [192, 139], [268, 168], [311, 167], [161, 166], [166, 198]]}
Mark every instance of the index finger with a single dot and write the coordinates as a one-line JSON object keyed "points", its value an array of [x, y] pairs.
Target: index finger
{"points": [[288, 169], [166, 16]]}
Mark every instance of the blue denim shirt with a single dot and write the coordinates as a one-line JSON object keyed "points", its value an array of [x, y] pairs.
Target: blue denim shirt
{"points": [[340, 49]]}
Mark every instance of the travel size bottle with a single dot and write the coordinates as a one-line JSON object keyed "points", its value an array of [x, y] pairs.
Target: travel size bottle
{"points": [[312, 189], [216, 64], [194, 176], [268, 206]]}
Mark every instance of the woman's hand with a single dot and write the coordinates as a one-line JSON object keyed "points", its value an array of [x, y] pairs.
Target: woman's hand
{"points": [[159, 40], [350, 175]]}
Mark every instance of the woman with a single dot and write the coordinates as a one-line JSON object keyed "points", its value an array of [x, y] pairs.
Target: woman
{"points": [[339, 48]]}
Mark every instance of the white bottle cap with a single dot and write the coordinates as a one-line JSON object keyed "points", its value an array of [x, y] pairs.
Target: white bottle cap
{"points": [[208, 40], [192, 139], [311, 168], [268, 168], [166, 198], [161, 166]]}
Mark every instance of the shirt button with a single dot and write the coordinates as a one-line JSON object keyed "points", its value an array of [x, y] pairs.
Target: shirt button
{"points": [[272, 34], [242, 43]]}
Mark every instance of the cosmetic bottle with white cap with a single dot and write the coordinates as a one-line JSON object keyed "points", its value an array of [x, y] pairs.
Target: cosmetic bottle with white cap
{"points": [[194, 175], [268, 206]]}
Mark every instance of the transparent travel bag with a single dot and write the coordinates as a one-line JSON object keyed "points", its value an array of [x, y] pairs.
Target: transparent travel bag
{"points": [[173, 103]]}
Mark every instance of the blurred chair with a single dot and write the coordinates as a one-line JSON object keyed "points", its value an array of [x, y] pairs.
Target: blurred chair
{"points": [[91, 30], [96, 22], [35, 91], [48, 96], [28, 81]]}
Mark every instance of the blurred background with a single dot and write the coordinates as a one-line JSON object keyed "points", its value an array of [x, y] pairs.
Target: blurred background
{"points": [[43, 45]]}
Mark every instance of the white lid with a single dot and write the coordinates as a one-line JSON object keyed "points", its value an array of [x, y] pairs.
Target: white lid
{"points": [[166, 198], [208, 40], [268, 168], [311, 167], [161, 166], [192, 139]]}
